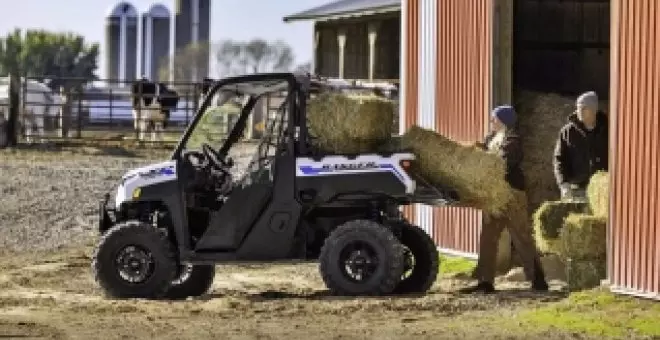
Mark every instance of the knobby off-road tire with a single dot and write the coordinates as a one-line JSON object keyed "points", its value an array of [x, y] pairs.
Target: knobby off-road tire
{"points": [[384, 247], [132, 235], [196, 283], [426, 260]]}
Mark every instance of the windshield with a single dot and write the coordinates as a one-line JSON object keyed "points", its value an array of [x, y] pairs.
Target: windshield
{"points": [[265, 125], [216, 121]]}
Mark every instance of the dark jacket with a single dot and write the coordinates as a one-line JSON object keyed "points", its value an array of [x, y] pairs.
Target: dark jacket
{"points": [[579, 153], [511, 152]]}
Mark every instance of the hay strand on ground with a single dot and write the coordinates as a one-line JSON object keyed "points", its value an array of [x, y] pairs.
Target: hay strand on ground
{"points": [[548, 220], [598, 194], [583, 237], [585, 274], [477, 176], [350, 124]]}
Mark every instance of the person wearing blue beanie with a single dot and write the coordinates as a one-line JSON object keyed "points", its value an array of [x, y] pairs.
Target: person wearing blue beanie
{"points": [[504, 142], [505, 115]]}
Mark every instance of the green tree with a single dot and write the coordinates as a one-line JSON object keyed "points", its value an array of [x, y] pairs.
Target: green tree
{"points": [[51, 57]]}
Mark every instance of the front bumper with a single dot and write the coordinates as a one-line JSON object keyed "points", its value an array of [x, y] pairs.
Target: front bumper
{"points": [[107, 216]]}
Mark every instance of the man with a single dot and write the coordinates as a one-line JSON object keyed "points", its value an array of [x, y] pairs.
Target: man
{"points": [[582, 147], [503, 141]]}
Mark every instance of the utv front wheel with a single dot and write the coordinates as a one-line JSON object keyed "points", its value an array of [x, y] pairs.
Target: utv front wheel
{"points": [[361, 257], [192, 281], [134, 260], [421, 260]]}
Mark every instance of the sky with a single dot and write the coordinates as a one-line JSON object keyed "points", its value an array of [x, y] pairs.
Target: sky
{"points": [[230, 19]]}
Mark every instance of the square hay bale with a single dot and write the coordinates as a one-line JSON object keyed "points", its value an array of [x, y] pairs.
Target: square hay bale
{"points": [[548, 219], [350, 124], [585, 274], [540, 117], [598, 194], [583, 237], [476, 175]]}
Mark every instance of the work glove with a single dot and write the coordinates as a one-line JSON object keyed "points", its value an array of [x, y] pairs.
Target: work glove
{"points": [[566, 191]]}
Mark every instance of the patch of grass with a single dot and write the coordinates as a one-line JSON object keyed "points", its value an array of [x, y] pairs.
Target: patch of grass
{"points": [[452, 265], [598, 313]]}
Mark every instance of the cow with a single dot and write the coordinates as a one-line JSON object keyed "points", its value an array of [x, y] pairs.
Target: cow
{"points": [[152, 103], [37, 102]]}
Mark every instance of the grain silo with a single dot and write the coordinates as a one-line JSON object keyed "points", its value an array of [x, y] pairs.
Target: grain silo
{"points": [[121, 42], [192, 24], [155, 40]]}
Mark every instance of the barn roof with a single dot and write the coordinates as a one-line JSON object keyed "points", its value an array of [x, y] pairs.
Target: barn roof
{"points": [[346, 8]]}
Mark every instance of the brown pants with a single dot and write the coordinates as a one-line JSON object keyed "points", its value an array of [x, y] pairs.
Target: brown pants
{"points": [[516, 220]]}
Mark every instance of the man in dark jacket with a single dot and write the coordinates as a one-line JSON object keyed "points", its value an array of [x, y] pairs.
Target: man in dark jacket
{"points": [[504, 142], [582, 147]]}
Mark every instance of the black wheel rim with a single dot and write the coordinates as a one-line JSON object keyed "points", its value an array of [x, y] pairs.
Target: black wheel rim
{"points": [[408, 263], [358, 261], [135, 264]]}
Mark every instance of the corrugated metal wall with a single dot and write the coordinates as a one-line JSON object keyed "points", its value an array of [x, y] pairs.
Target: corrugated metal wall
{"points": [[634, 230], [447, 50], [409, 72], [463, 93]]}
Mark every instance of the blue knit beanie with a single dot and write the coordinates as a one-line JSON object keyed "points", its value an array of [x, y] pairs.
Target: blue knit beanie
{"points": [[506, 114]]}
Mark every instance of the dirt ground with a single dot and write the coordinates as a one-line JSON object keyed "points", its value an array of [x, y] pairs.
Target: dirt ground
{"points": [[48, 202]]}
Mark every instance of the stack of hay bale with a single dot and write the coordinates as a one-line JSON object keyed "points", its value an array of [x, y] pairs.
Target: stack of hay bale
{"points": [[350, 124], [575, 233]]}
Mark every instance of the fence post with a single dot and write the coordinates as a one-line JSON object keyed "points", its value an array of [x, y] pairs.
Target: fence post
{"points": [[65, 112], [79, 117], [111, 99], [14, 104], [139, 113]]}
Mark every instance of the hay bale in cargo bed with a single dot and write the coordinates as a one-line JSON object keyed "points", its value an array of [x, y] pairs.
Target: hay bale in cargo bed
{"points": [[477, 176], [598, 194], [350, 124], [583, 237], [548, 220], [540, 117], [585, 274]]}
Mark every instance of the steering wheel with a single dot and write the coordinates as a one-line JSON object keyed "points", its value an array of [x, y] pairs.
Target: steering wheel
{"points": [[196, 158], [216, 162]]}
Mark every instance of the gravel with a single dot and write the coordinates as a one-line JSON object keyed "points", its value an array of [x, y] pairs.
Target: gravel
{"points": [[51, 200]]}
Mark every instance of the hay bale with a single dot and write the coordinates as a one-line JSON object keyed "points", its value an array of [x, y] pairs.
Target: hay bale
{"points": [[585, 274], [598, 194], [583, 237], [540, 117], [548, 220], [549, 217], [477, 176], [350, 124]]}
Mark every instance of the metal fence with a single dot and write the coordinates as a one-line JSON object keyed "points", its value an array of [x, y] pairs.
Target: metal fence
{"points": [[30, 110]]}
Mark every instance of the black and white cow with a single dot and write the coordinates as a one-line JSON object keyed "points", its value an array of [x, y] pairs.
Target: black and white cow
{"points": [[152, 103]]}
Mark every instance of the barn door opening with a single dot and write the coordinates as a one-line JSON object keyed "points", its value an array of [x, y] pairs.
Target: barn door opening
{"points": [[561, 48]]}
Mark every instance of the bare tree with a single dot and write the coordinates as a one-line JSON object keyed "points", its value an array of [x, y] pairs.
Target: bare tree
{"points": [[186, 62], [255, 56]]}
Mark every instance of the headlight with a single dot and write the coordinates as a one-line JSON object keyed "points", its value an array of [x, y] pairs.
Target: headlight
{"points": [[136, 193]]}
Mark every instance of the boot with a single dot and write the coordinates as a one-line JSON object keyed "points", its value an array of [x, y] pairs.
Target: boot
{"points": [[538, 282], [481, 287]]}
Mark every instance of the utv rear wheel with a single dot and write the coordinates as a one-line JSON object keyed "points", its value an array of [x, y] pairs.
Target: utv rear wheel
{"points": [[421, 260], [361, 258], [192, 281], [134, 260]]}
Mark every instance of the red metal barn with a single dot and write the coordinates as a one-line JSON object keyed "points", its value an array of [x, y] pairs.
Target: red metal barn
{"points": [[634, 235], [446, 75]]}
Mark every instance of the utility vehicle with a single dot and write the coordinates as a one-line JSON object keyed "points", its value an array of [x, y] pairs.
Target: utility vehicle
{"points": [[172, 222]]}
